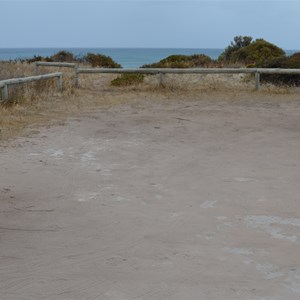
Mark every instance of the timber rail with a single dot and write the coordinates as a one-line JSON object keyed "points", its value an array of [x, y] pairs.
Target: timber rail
{"points": [[161, 71], [5, 83], [60, 65]]}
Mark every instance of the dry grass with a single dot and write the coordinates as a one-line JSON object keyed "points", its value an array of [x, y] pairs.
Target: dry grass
{"points": [[15, 69], [29, 103], [39, 104]]}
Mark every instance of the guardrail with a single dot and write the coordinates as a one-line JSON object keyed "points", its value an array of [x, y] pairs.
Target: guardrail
{"points": [[162, 71], [5, 83], [58, 64]]}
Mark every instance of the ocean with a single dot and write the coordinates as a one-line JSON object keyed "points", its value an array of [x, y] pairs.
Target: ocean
{"points": [[127, 57]]}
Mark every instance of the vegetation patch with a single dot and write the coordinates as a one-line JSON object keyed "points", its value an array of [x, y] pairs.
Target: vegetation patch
{"points": [[100, 60], [258, 52], [95, 60], [285, 62], [262, 54], [61, 56], [128, 79], [183, 61], [245, 51]]}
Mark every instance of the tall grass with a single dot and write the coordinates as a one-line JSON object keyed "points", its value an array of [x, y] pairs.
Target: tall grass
{"points": [[19, 93], [29, 103]]}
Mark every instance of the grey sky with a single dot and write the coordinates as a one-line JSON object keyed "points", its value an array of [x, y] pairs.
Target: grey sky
{"points": [[147, 23]]}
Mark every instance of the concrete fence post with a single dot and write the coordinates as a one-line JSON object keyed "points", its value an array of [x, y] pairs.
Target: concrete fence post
{"points": [[257, 80], [161, 79], [59, 83]]}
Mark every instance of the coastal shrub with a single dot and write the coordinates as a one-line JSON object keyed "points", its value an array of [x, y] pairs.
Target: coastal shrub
{"points": [[286, 62], [128, 79], [63, 56], [201, 60], [293, 61], [237, 43], [95, 60], [100, 60], [258, 52], [37, 58], [255, 53], [182, 61]]}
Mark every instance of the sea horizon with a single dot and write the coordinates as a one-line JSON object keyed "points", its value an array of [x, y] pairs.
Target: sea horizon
{"points": [[127, 57]]}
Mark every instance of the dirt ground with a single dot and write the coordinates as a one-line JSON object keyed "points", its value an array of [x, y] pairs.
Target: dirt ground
{"points": [[172, 198]]}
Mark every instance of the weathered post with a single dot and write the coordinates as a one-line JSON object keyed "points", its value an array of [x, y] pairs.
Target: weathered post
{"points": [[257, 80], [59, 83], [161, 79], [76, 75]]}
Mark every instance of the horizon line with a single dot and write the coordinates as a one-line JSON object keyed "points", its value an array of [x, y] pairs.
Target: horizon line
{"points": [[131, 47], [106, 47]]}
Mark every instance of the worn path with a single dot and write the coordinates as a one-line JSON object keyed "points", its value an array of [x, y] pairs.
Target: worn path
{"points": [[155, 200]]}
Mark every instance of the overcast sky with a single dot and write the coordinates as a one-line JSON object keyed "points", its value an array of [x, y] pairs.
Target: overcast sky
{"points": [[147, 23]]}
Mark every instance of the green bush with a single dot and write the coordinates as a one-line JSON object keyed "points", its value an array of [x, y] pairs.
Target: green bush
{"points": [[286, 62], [95, 60], [128, 79], [38, 58], [249, 52], [293, 61], [238, 43], [63, 56], [35, 58], [182, 61], [99, 60], [258, 52]]}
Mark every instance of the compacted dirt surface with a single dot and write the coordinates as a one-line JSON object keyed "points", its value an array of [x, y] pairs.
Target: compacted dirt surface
{"points": [[155, 199]]}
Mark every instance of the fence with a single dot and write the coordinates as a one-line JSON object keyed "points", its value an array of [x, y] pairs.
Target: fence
{"points": [[5, 83], [162, 71], [58, 64]]}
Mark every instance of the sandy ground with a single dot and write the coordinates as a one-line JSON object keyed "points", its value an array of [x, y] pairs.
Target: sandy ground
{"points": [[172, 199]]}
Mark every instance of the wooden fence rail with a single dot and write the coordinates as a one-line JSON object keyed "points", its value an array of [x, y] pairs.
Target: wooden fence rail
{"points": [[5, 83], [162, 71], [58, 64]]}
